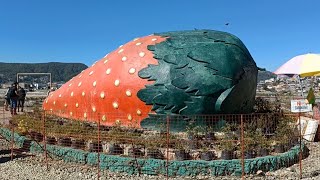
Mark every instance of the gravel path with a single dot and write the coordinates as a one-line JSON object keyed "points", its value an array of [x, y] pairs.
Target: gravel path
{"points": [[33, 167]]}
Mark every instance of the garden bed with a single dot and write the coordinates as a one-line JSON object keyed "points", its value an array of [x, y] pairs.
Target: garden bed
{"points": [[134, 165]]}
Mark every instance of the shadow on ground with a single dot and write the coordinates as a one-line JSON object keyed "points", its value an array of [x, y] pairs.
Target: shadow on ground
{"points": [[5, 155]]}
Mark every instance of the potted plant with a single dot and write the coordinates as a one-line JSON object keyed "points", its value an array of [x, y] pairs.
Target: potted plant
{"points": [[249, 146], [209, 133], [263, 144], [193, 135], [115, 137], [283, 135], [180, 150], [94, 146], [227, 149], [205, 152], [153, 144], [227, 142]]}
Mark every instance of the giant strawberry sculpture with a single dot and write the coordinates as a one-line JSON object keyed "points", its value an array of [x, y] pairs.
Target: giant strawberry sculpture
{"points": [[184, 72]]}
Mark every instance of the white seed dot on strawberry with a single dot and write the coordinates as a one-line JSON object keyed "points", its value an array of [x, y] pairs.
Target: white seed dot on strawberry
{"points": [[120, 51], [117, 82], [132, 70], [124, 58], [139, 112], [115, 105], [94, 83], [128, 93], [108, 71], [102, 95], [141, 54]]}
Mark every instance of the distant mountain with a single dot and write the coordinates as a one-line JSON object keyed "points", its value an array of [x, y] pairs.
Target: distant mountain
{"points": [[60, 71], [264, 75]]}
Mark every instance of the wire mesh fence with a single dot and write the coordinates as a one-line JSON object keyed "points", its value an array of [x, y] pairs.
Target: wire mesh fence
{"points": [[209, 141]]}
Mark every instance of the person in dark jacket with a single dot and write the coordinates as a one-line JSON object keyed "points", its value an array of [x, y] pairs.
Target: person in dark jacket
{"points": [[13, 99], [21, 98]]}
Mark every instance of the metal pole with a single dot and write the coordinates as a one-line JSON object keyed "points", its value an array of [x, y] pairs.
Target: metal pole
{"points": [[300, 146], [12, 142], [168, 141], [98, 146], [44, 139], [242, 147]]}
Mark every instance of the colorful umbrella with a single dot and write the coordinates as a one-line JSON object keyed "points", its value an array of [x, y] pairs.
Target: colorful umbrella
{"points": [[303, 65]]}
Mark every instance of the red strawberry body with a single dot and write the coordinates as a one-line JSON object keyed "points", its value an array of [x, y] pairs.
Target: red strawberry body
{"points": [[107, 91]]}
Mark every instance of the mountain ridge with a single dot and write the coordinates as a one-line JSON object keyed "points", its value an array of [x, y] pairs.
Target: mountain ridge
{"points": [[60, 71]]}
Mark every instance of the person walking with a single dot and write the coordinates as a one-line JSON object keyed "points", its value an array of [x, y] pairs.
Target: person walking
{"points": [[7, 100], [13, 99], [21, 98]]}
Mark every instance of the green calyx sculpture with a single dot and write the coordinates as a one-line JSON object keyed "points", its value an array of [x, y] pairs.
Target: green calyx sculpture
{"points": [[199, 72]]}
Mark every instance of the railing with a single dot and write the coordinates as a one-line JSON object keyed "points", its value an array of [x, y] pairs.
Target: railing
{"points": [[215, 145]]}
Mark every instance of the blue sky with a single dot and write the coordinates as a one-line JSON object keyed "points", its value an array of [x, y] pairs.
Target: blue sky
{"points": [[84, 31]]}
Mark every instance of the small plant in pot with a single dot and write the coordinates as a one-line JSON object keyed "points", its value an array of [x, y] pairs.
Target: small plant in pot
{"points": [[263, 144], [153, 143], [209, 133], [249, 146], [206, 153], [180, 150], [134, 151], [64, 141], [279, 143], [115, 137], [95, 146], [283, 134], [50, 139], [193, 134], [78, 143], [227, 149], [227, 142]]}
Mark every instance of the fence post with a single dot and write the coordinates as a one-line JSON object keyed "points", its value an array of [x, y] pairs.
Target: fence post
{"points": [[242, 147], [168, 142], [300, 146], [98, 146], [44, 138], [12, 141]]}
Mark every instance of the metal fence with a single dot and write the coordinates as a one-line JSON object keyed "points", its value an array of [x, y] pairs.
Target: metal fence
{"points": [[173, 146]]}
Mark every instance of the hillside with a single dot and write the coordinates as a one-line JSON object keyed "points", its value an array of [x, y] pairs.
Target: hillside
{"points": [[60, 71], [264, 75]]}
